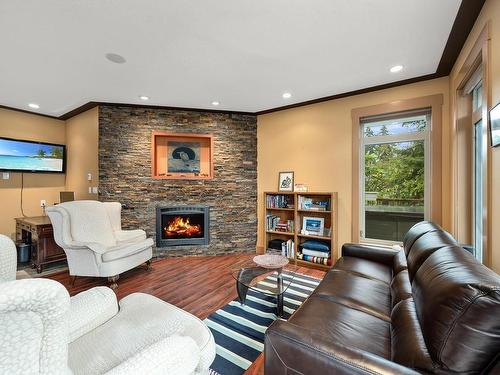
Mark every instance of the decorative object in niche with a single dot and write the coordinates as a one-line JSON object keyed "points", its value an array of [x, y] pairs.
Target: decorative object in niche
{"points": [[182, 156]]}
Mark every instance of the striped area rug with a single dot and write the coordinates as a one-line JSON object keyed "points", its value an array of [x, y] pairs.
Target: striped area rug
{"points": [[239, 329]]}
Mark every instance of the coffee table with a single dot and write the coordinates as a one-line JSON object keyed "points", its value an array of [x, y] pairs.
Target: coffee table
{"points": [[248, 275]]}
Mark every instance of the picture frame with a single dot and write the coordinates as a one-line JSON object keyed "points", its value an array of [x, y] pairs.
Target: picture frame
{"points": [[313, 226], [285, 181], [182, 156], [495, 126]]}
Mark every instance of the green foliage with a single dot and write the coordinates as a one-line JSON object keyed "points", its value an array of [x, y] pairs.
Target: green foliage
{"points": [[56, 152], [395, 170], [41, 153]]}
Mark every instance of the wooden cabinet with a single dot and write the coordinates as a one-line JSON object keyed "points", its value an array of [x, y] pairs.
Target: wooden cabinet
{"points": [[295, 209], [37, 231]]}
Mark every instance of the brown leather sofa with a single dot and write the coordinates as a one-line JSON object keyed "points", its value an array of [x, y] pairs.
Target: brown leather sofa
{"points": [[431, 308]]}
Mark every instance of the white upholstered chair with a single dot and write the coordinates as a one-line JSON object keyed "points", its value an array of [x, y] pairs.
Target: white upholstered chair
{"points": [[44, 331], [8, 259], [91, 235]]}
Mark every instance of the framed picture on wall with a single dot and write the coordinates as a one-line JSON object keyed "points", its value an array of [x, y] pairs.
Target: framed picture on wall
{"points": [[285, 181], [495, 125]]}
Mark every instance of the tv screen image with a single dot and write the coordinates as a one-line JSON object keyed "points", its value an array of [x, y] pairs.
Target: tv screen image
{"points": [[17, 155]]}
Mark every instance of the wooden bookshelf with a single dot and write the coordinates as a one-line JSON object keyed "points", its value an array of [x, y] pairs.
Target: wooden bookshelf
{"points": [[290, 207]]}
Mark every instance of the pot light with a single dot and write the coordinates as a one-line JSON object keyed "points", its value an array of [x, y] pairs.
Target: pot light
{"points": [[286, 95], [215, 103], [144, 97], [396, 68], [33, 105], [115, 58]]}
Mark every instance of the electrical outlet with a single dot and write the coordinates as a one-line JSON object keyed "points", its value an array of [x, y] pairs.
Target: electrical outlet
{"points": [[90, 190], [42, 203], [6, 175], [94, 190], [89, 176]]}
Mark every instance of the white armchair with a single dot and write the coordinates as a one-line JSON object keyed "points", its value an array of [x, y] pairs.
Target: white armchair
{"points": [[95, 245], [8, 259], [44, 331]]}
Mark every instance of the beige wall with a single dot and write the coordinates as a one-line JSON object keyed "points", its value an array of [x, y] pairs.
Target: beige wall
{"points": [[315, 142], [37, 186], [490, 13], [82, 134]]}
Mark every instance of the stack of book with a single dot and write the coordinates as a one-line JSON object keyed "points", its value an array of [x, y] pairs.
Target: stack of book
{"points": [[310, 204], [273, 223]]}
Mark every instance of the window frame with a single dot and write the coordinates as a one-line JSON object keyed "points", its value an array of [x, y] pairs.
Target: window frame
{"points": [[424, 136], [394, 109]]}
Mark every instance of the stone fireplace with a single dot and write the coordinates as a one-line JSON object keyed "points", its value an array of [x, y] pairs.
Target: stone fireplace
{"points": [[125, 138], [182, 225]]}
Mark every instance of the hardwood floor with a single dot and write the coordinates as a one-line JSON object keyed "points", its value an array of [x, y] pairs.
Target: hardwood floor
{"points": [[199, 285]]}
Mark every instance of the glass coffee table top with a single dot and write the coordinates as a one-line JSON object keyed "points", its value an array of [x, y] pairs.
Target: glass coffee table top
{"points": [[273, 282]]}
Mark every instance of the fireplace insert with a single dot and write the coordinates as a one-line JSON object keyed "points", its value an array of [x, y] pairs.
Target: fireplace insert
{"points": [[182, 225]]}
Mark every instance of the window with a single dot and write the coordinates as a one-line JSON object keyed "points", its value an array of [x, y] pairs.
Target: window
{"points": [[394, 178]]}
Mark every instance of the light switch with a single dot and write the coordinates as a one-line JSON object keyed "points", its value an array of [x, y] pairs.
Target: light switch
{"points": [[94, 189], [90, 190], [89, 176]]}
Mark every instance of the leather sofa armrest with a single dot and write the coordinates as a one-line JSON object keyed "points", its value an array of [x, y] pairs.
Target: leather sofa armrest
{"points": [[369, 252], [290, 347]]}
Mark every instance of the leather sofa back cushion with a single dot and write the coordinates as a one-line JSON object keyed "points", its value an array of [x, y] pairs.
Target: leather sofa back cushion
{"points": [[407, 343], [458, 305], [424, 246], [400, 287], [416, 231]]}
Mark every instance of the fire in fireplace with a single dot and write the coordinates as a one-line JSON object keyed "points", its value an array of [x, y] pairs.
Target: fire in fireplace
{"points": [[181, 225]]}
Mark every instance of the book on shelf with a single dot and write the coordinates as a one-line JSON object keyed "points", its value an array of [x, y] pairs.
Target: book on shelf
{"points": [[306, 203], [288, 249], [274, 224], [279, 201]]}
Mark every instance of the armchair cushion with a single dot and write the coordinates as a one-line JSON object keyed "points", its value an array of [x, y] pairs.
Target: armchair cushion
{"points": [[90, 309], [130, 235], [8, 259], [90, 222], [133, 329], [122, 251], [171, 355]]}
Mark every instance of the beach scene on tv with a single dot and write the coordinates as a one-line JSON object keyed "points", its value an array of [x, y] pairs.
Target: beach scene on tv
{"points": [[18, 155]]}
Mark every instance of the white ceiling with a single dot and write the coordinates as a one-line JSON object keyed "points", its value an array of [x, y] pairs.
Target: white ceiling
{"points": [[187, 53]]}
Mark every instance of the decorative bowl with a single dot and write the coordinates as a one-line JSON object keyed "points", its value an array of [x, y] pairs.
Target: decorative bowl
{"points": [[271, 261]]}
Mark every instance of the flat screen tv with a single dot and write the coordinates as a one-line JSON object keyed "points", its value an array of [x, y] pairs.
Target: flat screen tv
{"points": [[28, 156]]}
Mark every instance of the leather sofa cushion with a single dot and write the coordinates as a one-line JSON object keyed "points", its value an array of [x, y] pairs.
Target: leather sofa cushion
{"points": [[416, 231], [458, 305], [424, 247], [400, 287], [365, 268], [358, 292], [345, 325], [400, 263], [407, 343]]}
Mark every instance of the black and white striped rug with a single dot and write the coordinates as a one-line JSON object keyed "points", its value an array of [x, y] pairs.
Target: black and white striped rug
{"points": [[239, 329]]}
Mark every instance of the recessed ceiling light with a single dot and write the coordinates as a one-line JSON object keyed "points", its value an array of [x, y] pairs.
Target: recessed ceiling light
{"points": [[117, 59], [33, 105], [396, 68], [215, 103], [144, 97], [286, 95]]}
